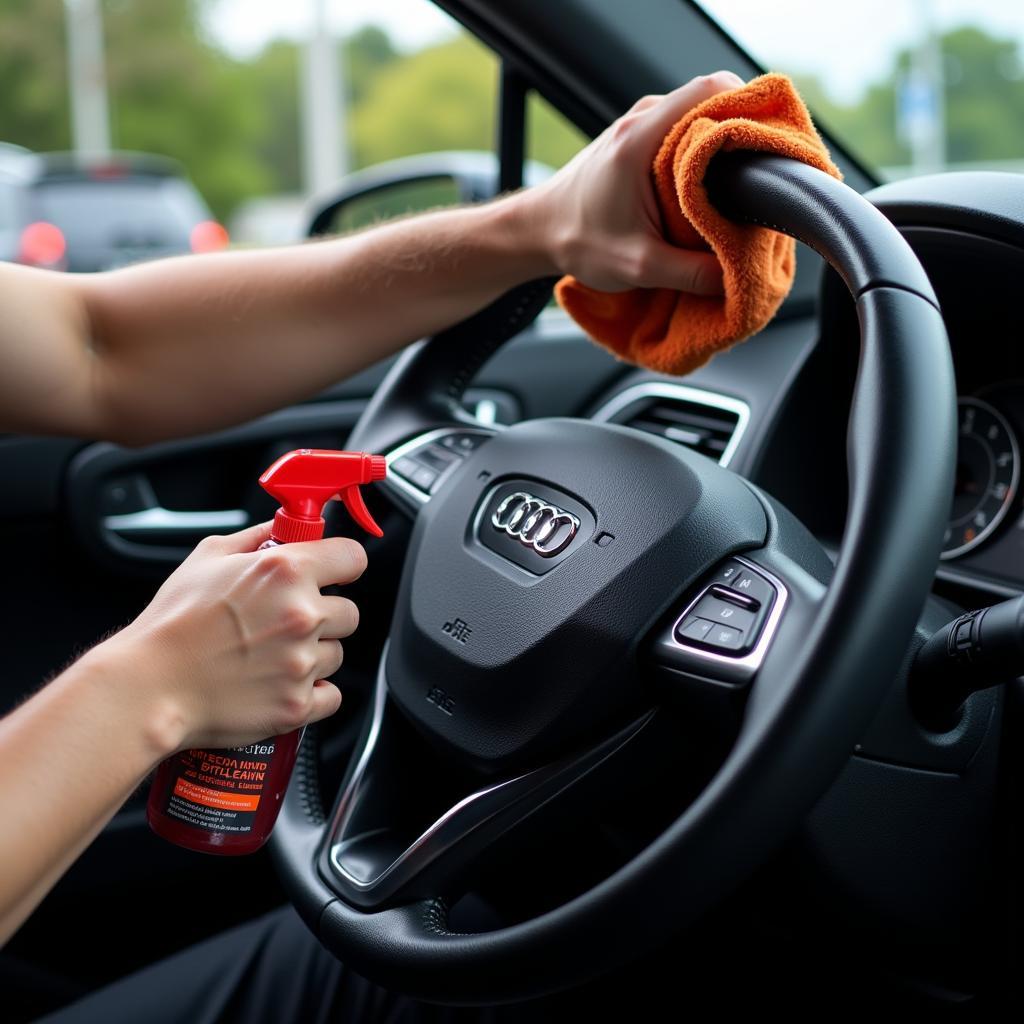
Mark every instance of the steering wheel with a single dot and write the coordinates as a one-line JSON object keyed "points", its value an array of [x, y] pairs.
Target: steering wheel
{"points": [[552, 604]]}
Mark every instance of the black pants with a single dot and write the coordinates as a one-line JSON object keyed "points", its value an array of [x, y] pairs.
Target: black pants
{"points": [[269, 970], [273, 971]]}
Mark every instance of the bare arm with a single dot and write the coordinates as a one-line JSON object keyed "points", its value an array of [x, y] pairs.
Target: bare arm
{"points": [[199, 342]]}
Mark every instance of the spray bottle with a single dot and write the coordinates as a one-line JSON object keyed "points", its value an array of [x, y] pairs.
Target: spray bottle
{"points": [[226, 801]]}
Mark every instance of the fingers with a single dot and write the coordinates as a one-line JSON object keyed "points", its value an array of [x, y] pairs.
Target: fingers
{"points": [[658, 118], [335, 560], [248, 539], [667, 266], [325, 701], [327, 562], [341, 617], [645, 103], [329, 656]]}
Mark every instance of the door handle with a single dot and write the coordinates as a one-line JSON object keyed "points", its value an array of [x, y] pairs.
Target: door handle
{"points": [[163, 520], [120, 520]]}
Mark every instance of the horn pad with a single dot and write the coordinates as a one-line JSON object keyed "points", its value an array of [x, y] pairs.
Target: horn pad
{"points": [[534, 575]]}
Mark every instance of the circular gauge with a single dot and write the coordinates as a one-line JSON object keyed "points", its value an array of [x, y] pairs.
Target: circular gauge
{"points": [[987, 471]]}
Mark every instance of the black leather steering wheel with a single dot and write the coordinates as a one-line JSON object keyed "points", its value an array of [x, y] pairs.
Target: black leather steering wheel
{"points": [[515, 686]]}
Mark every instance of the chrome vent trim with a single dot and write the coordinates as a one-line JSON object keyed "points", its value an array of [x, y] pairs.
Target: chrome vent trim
{"points": [[624, 406]]}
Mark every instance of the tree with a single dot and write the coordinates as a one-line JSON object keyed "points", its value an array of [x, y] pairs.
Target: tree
{"points": [[171, 92], [234, 124], [442, 97], [366, 53], [984, 104], [446, 97], [33, 74]]}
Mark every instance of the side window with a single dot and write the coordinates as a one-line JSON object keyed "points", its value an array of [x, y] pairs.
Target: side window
{"points": [[551, 138], [7, 210], [437, 98], [443, 96], [394, 200], [263, 106]]}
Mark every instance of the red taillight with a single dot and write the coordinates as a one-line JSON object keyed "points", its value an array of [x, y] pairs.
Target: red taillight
{"points": [[208, 236], [42, 245], [107, 172]]}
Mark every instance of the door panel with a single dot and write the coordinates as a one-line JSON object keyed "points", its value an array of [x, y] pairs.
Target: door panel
{"points": [[143, 510]]}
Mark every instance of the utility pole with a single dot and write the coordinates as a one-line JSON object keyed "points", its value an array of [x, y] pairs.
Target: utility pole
{"points": [[87, 82], [922, 97], [323, 107]]}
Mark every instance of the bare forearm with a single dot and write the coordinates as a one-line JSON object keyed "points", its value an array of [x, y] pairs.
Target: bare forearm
{"points": [[69, 758], [197, 343]]}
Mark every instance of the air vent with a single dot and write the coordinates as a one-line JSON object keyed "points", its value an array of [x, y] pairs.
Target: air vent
{"points": [[701, 420]]}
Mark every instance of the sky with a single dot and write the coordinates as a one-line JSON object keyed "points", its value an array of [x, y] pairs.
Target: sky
{"points": [[245, 26], [846, 45]]}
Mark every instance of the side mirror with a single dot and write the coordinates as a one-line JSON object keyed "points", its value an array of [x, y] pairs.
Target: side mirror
{"points": [[410, 185]]}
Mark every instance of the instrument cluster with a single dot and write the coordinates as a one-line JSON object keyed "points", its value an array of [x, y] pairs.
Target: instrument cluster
{"points": [[986, 521]]}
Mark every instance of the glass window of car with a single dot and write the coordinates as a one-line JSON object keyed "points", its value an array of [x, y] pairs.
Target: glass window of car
{"points": [[551, 138], [8, 207], [226, 92], [909, 86]]}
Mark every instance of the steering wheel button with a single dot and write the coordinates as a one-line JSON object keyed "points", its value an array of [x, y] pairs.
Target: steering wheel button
{"points": [[694, 629], [724, 613], [749, 584], [727, 573], [734, 597], [725, 637], [424, 478], [436, 457], [464, 444], [405, 467]]}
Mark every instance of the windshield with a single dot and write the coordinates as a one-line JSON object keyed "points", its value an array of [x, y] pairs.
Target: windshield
{"points": [[908, 86]]}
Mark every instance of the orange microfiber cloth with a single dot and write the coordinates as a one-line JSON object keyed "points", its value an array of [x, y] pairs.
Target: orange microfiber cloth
{"points": [[675, 332]]}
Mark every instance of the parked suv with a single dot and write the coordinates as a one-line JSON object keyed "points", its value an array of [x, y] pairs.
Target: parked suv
{"points": [[68, 212]]}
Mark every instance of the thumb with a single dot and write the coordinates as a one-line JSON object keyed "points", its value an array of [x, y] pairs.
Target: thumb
{"points": [[248, 539], [682, 270], [326, 700]]}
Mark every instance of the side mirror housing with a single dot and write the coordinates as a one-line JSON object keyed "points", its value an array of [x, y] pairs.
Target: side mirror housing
{"points": [[410, 185]]}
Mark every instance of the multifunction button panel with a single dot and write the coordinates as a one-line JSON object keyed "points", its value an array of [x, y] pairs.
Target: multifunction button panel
{"points": [[729, 615], [727, 625], [419, 467]]}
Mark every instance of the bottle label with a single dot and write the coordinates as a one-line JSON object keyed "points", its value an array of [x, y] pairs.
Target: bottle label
{"points": [[219, 790]]}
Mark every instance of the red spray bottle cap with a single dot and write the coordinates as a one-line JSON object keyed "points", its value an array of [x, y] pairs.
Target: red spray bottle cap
{"points": [[306, 479]]}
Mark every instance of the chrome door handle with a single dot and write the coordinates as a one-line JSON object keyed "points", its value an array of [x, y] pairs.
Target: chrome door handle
{"points": [[164, 520]]}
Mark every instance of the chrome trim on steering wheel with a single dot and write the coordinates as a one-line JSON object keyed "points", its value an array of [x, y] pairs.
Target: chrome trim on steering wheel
{"points": [[480, 816]]}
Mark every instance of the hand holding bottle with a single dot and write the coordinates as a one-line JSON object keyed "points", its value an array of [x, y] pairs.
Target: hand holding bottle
{"points": [[239, 642]]}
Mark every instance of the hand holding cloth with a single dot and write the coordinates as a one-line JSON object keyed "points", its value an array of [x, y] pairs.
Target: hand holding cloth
{"points": [[675, 332]]}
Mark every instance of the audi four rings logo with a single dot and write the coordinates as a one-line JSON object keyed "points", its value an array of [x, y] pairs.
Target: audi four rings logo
{"points": [[545, 528]]}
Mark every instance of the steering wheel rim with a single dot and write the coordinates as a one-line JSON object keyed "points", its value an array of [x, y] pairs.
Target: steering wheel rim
{"points": [[825, 672]]}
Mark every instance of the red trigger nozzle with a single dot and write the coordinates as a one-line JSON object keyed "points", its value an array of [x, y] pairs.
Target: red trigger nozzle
{"points": [[306, 479]]}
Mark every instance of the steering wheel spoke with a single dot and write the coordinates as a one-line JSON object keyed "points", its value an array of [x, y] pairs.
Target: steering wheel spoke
{"points": [[408, 825]]}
